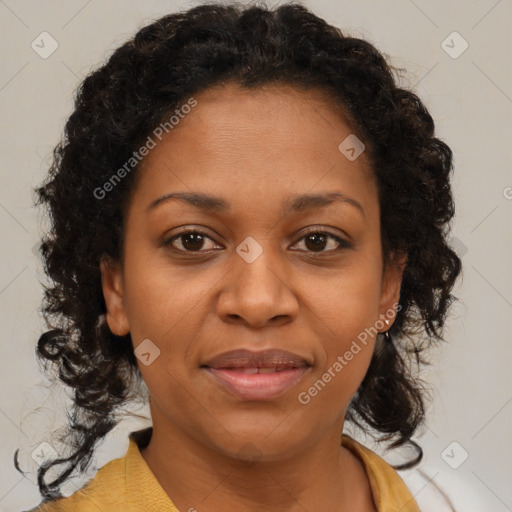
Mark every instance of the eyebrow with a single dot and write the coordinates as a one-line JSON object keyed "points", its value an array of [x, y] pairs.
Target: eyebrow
{"points": [[295, 204]]}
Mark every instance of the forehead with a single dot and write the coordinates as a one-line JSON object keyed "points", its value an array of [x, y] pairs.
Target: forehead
{"points": [[262, 140], [274, 111]]}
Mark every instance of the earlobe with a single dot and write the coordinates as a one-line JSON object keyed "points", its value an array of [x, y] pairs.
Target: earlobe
{"points": [[112, 285]]}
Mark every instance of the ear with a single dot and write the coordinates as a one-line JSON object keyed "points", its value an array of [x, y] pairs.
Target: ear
{"points": [[112, 285], [390, 287]]}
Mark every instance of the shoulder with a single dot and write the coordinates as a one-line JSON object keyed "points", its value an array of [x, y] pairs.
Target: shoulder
{"points": [[105, 489], [389, 490], [126, 484]]}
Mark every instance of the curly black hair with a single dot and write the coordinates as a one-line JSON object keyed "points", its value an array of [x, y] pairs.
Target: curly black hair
{"points": [[143, 82]]}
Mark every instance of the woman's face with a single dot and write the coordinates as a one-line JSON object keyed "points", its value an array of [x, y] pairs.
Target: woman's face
{"points": [[254, 279]]}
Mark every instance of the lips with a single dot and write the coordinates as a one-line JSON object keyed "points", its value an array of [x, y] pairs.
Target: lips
{"points": [[265, 359], [257, 375]]}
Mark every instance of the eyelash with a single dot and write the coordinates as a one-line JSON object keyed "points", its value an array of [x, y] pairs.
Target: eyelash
{"points": [[344, 244]]}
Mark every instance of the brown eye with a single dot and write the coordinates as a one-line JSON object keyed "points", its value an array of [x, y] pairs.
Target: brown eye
{"points": [[317, 241], [190, 241], [314, 241]]}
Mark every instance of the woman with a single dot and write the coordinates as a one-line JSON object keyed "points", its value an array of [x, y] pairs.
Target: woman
{"points": [[249, 217]]}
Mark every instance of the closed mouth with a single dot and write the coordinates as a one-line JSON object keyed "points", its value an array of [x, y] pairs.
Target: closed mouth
{"points": [[260, 375], [265, 361]]}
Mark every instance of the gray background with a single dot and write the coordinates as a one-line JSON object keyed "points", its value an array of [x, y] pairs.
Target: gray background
{"points": [[470, 98]]}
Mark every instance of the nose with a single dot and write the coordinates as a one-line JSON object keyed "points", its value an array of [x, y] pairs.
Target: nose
{"points": [[258, 293]]}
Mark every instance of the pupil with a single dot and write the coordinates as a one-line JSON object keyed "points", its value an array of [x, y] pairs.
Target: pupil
{"points": [[193, 241], [318, 241]]}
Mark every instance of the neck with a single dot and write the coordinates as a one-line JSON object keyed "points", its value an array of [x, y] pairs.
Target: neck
{"points": [[324, 476]]}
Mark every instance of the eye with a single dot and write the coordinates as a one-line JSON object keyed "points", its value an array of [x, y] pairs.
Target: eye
{"points": [[317, 241], [192, 240]]}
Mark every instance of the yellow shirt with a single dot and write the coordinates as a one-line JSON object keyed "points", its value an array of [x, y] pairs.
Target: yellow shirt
{"points": [[128, 485]]}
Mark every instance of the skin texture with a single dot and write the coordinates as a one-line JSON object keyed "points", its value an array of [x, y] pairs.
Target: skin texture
{"points": [[255, 149]]}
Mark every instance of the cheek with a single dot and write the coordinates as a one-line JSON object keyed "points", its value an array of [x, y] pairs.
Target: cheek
{"points": [[347, 301], [329, 394], [158, 299], [347, 352], [168, 308], [346, 309]]}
